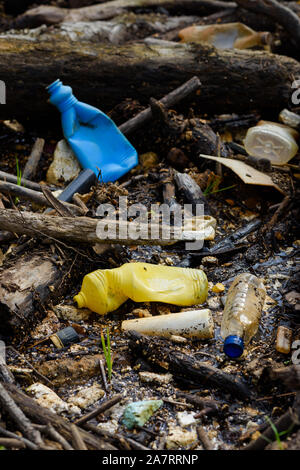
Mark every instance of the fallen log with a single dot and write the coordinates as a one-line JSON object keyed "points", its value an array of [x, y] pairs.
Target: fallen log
{"points": [[86, 230], [243, 80], [102, 11], [181, 365]]}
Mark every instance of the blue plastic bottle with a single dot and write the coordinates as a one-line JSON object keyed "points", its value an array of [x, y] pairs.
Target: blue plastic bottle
{"points": [[94, 138]]}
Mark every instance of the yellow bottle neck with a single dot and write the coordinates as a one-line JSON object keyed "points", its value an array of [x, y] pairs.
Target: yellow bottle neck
{"points": [[80, 299]]}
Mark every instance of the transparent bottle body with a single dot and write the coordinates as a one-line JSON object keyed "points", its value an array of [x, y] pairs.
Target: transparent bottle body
{"points": [[243, 307], [224, 36]]}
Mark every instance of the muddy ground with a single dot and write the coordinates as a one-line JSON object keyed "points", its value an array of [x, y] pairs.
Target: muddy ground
{"points": [[272, 254]]}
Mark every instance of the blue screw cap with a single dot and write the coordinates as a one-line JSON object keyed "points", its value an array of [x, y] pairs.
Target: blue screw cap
{"points": [[233, 346]]}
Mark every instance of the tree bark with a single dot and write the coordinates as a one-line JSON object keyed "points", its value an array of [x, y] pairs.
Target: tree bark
{"points": [[102, 11], [22, 286], [104, 75], [86, 230]]}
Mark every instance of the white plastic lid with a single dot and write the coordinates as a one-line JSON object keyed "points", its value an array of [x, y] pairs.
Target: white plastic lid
{"points": [[272, 141]]}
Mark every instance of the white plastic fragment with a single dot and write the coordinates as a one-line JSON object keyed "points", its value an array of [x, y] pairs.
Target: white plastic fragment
{"points": [[189, 324], [87, 396], [49, 399]]}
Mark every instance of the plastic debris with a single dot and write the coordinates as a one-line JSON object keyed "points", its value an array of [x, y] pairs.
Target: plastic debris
{"points": [[247, 173], [289, 118], [188, 324], [138, 413], [284, 339], [244, 303], [152, 377], [179, 437], [94, 138], [49, 399], [273, 141], [105, 290], [87, 396], [65, 166], [225, 36], [65, 337], [217, 288]]}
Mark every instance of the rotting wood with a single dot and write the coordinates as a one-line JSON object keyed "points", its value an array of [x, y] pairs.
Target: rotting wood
{"points": [[242, 79], [180, 365], [34, 158], [106, 10], [85, 229]]}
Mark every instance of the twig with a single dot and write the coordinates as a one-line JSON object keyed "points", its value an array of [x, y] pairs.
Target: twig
{"points": [[38, 374], [9, 443], [285, 202], [102, 370], [203, 438], [55, 203], [33, 196], [24, 182], [169, 100], [103, 407], [34, 158], [78, 442], [18, 416], [53, 434], [12, 435], [119, 437]]}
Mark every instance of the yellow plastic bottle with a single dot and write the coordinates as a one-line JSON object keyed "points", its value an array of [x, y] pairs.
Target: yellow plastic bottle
{"points": [[104, 290]]}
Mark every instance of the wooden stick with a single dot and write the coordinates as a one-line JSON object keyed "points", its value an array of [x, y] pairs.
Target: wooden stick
{"points": [[56, 204], [158, 353], [18, 416], [84, 229], [169, 100], [45, 416], [24, 182], [10, 442], [33, 196], [203, 438], [78, 442], [34, 158], [103, 407], [12, 435]]}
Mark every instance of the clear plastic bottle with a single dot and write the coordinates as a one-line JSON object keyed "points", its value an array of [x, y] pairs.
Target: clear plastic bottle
{"points": [[244, 303], [105, 290], [225, 36], [273, 141]]}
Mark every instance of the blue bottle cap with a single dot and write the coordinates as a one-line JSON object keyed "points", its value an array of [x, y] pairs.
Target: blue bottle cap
{"points": [[233, 346]]}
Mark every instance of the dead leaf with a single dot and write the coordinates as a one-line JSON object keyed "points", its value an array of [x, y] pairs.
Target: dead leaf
{"points": [[247, 173]]}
